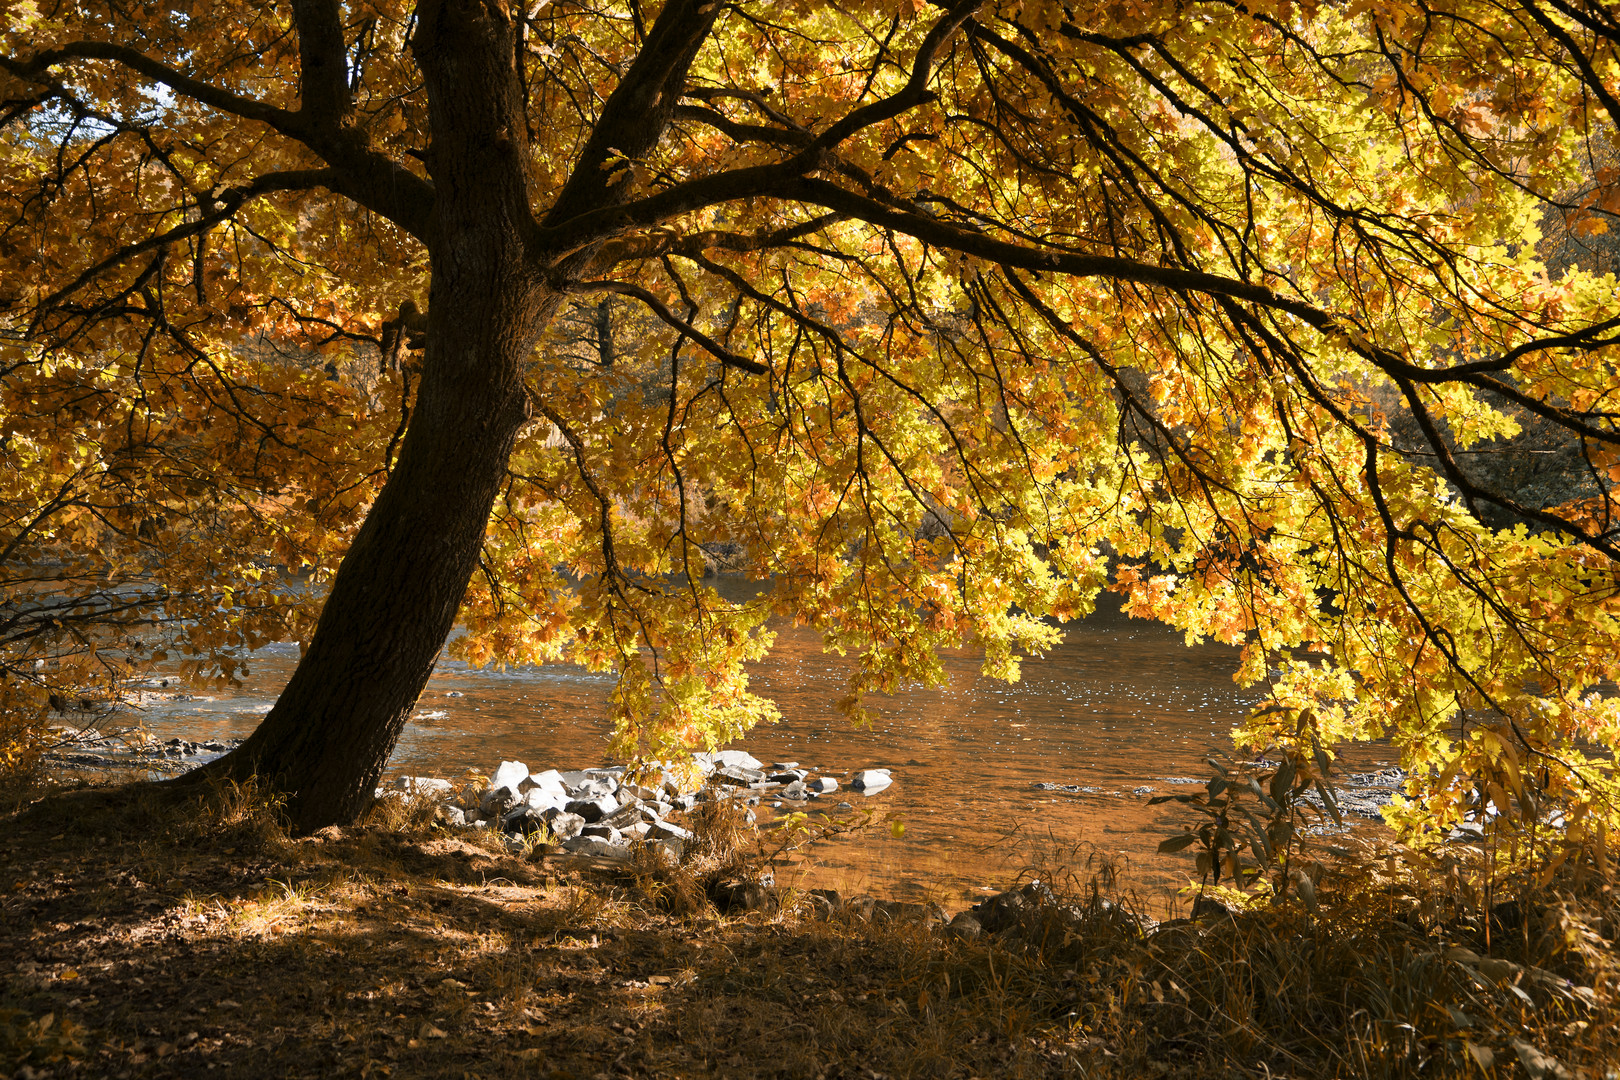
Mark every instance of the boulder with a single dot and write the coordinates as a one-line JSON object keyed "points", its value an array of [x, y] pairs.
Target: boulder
{"points": [[602, 830], [627, 814], [733, 897], [550, 781], [424, 785], [860, 907], [821, 785], [785, 776], [737, 776], [737, 758], [871, 780], [964, 927], [510, 774], [496, 801], [596, 845], [663, 830], [452, 816], [593, 809], [1012, 908], [538, 798], [795, 791], [587, 783], [560, 823], [595, 787], [521, 820]]}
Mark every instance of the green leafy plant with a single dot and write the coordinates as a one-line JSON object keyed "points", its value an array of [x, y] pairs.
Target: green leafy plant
{"points": [[1255, 817]]}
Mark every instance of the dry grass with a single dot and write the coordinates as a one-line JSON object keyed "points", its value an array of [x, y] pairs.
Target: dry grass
{"points": [[143, 938]]}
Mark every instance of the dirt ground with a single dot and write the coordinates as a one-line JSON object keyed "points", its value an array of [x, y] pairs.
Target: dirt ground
{"points": [[136, 943], [144, 938]]}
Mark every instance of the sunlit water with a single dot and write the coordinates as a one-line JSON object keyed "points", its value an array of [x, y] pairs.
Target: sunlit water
{"points": [[1121, 705]]}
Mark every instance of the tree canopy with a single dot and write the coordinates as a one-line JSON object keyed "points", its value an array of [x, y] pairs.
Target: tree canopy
{"points": [[1293, 322]]}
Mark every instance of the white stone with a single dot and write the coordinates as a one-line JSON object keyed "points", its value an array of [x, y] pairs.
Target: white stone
{"points": [[821, 785], [741, 759], [550, 778], [870, 780], [423, 785], [510, 774], [540, 798], [663, 830]]}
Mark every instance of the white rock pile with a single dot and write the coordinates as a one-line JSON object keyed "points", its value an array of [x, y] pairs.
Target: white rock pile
{"points": [[601, 811]]}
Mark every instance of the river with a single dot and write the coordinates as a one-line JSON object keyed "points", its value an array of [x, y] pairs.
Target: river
{"points": [[1122, 705]]}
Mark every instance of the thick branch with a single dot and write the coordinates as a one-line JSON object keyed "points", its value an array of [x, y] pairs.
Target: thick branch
{"points": [[638, 110], [943, 234], [322, 60], [909, 96], [37, 69]]}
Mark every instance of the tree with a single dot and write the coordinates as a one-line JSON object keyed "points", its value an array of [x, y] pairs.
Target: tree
{"points": [[951, 316]]}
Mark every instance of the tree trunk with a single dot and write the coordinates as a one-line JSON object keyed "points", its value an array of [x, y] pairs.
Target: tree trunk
{"points": [[396, 594], [395, 597]]}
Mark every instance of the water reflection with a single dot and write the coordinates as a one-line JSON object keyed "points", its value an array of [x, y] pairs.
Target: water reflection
{"points": [[1121, 706]]}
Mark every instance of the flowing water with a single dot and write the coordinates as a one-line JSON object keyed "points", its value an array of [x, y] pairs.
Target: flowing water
{"points": [[1121, 706]]}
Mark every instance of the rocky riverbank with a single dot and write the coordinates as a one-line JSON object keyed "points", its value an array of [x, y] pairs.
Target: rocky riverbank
{"points": [[90, 748], [605, 811]]}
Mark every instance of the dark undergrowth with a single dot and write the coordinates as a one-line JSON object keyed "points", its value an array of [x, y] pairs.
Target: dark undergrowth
{"points": [[144, 936]]}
